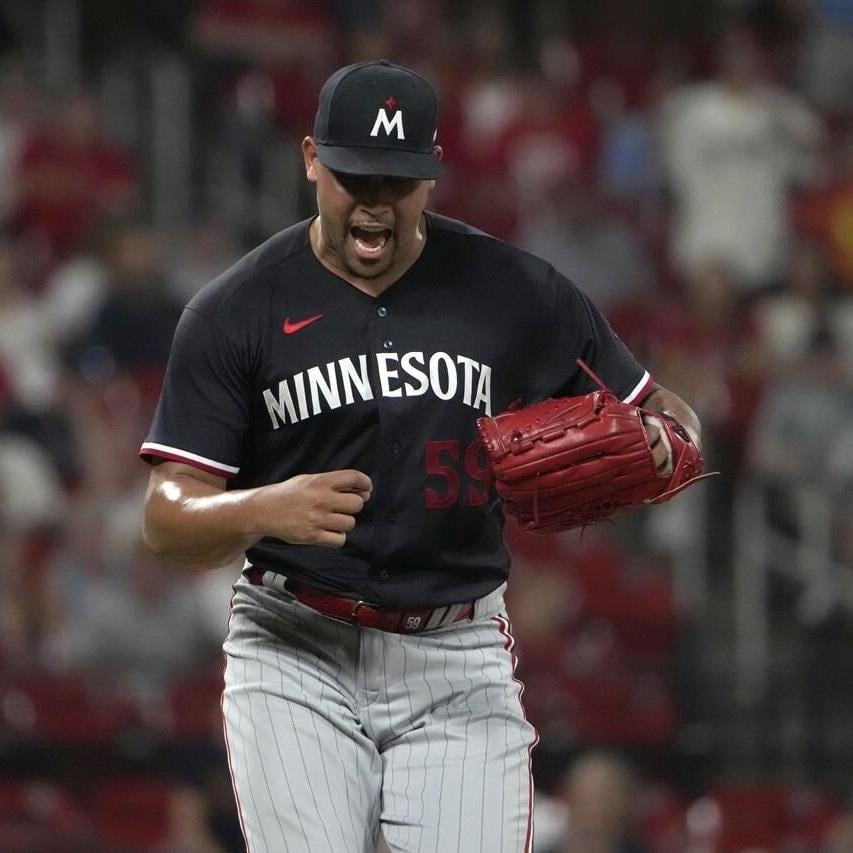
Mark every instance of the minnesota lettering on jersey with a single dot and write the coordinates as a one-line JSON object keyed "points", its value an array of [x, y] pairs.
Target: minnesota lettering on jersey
{"points": [[347, 380]]}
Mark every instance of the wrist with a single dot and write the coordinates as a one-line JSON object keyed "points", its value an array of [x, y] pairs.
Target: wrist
{"points": [[246, 512]]}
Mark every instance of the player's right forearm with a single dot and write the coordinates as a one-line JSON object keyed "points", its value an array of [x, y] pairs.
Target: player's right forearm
{"points": [[197, 524]]}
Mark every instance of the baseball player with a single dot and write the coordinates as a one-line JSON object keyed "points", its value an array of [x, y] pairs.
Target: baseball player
{"points": [[319, 416]]}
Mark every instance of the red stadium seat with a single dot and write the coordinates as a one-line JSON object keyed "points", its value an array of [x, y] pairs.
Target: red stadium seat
{"points": [[598, 709], [193, 709], [607, 706], [769, 816], [133, 811], [37, 815], [653, 712], [751, 815], [62, 709], [13, 801]]}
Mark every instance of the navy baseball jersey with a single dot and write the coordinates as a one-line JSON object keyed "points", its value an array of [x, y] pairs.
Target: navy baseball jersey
{"points": [[279, 367]]}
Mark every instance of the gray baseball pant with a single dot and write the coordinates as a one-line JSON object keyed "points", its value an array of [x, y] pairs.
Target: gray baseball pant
{"points": [[334, 732]]}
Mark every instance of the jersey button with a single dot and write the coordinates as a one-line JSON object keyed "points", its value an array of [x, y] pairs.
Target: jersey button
{"points": [[384, 574], [381, 311], [387, 344], [395, 447]]}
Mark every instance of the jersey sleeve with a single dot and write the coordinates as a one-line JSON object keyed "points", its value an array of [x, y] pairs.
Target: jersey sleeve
{"points": [[203, 411], [583, 332]]}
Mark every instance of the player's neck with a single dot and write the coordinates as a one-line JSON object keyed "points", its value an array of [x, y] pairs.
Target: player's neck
{"points": [[374, 286]]}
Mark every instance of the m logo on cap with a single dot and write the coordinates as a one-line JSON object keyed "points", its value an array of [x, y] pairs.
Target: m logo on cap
{"points": [[388, 124]]}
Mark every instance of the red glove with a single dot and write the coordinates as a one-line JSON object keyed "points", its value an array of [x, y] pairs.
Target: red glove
{"points": [[569, 462]]}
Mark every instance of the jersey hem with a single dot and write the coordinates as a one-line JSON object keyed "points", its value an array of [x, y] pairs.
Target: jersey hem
{"points": [[173, 454]]}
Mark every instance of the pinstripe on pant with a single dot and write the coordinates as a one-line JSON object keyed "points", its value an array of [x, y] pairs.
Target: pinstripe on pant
{"points": [[333, 731]]}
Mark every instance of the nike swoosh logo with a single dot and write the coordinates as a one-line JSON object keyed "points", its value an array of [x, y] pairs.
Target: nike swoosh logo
{"points": [[290, 328]]}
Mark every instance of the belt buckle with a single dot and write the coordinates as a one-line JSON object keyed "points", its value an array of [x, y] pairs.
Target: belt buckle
{"points": [[353, 617]]}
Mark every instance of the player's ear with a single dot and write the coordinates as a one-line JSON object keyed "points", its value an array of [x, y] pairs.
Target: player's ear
{"points": [[438, 153], [309, 155]]}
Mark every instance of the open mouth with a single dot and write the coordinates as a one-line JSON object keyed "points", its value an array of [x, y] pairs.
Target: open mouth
{"points": [[370, 240]]}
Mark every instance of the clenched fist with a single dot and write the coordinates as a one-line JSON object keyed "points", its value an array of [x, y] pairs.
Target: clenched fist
{"points": [[312, 509]]}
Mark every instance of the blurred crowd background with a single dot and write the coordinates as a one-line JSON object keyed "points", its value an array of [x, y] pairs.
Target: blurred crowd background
{"points": [[690, 165]]}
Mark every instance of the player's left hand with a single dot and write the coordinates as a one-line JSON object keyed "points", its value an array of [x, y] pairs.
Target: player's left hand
{"points": [[572, 461], [659, 444]]}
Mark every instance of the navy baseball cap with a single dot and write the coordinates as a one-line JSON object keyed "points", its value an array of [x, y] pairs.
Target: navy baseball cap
{"points": [[377, 118]]}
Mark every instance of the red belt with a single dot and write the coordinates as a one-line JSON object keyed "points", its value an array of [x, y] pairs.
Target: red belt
{"points": [[366, 615]]}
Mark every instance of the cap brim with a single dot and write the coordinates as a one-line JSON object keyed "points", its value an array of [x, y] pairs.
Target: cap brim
{"points": [[379, 161]]}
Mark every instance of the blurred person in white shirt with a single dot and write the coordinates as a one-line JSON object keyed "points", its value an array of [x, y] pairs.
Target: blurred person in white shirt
{"points": [[733, 147], [27, 352]]}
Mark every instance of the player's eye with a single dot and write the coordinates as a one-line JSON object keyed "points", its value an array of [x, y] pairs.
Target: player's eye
{"points": [[360, 186]]}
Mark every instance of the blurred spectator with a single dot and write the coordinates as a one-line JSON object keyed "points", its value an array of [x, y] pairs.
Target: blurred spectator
{"points": [[188, 829], [69, 176], [15, 629], [703, 823], [32, 503], [108, 415], [601, 797], [19, 105], [260, 64], [76, 288], [132, 330], [555, 133], [840, 836], [826, 213], [805, 408], [705, 343], [205, 250], [810, 304], [486, 101], [262, 32], [138, 628], [733, 147], [215, 784], [571, 228], [630, 166], [417, 32], [491, 97], [31, 370], [545, 604], [31, 494], [828, 55], [632, 72], [27, 347]]}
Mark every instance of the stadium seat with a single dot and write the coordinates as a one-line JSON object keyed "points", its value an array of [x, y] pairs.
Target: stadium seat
{"points": [[193, 707], [37, 815], [62, 709], [133, 811], [751, 815]]}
